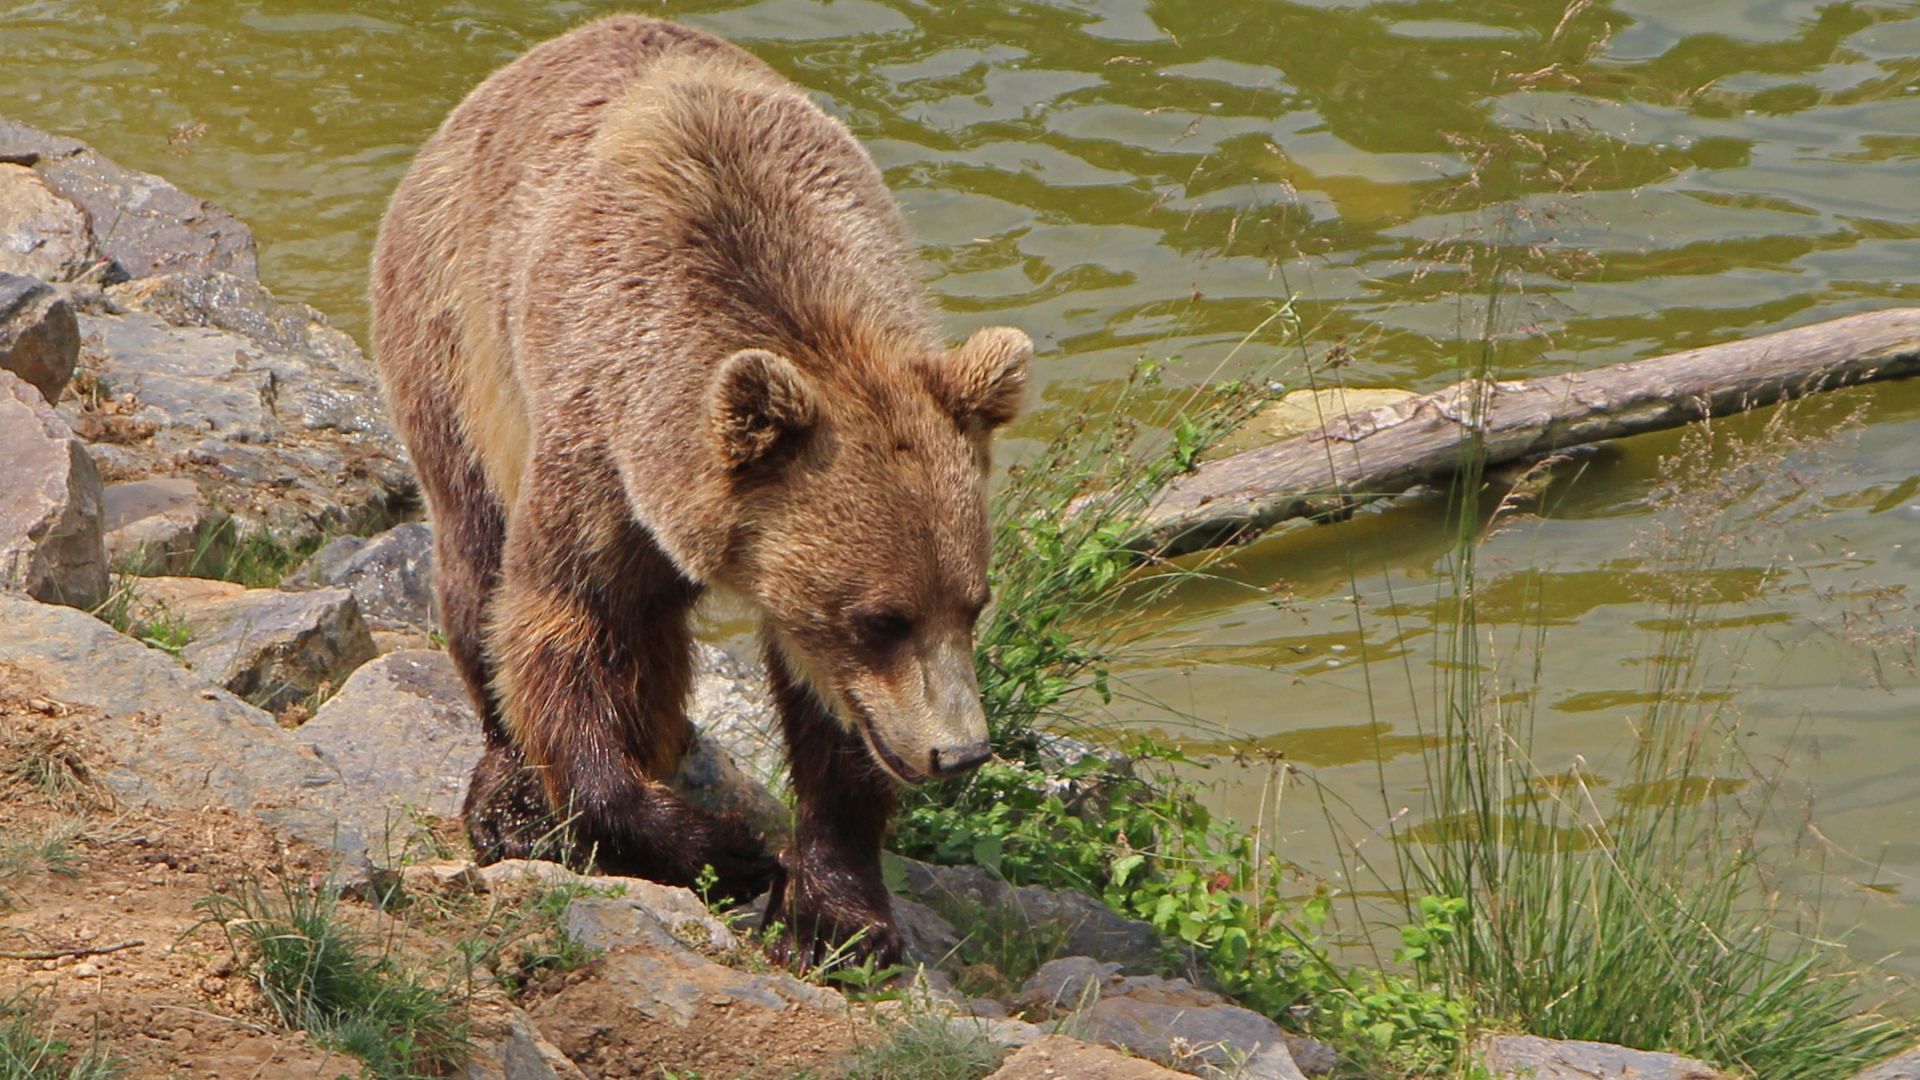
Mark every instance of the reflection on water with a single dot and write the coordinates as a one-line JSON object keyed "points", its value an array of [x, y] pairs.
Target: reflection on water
{"points": [[1125, 177]]}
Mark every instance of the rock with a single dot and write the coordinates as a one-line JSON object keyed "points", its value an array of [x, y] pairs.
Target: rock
{"points": [[273, 648], [401, 734], [391, 574], [929, 939], [646, 911], [140, 222], [644, 1000], [173, 740], [1529, 1057], [998, 1030], [509, 1047], [41, 234], [39, 334], [1904, 1067], [1169, 1020], [708, 777], [239, 304], [1084, 926], [731, 704], [50, 539], [1314, 1057], [163, 526], [1056, 1057], [293, 442]]}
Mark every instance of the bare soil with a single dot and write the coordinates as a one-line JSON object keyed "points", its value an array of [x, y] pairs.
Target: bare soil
{"points": [[109, 940]]}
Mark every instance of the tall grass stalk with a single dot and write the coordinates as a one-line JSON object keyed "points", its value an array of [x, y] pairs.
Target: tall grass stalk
{"points": [[1643, 912]]}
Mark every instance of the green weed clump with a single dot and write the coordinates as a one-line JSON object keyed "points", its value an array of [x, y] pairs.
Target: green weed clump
{"points": [[927, 1046], [320, 975]]}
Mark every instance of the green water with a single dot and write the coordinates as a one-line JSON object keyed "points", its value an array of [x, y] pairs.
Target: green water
{"points": [[1126, 178]]}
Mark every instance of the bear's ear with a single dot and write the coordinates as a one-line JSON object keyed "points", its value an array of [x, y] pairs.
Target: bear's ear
{"points": [[756, 402], [985, 380]]}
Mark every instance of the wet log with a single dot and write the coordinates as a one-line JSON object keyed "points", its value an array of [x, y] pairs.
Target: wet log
{"points": [[1381, 452]]}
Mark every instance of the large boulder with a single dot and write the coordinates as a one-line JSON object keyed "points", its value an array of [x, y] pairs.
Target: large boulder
{"points": [[50, 539], [1169, 1020], [142, 224], [39, 335], [173, 740], [41, 234], [1529, 1057], [273, 648]]}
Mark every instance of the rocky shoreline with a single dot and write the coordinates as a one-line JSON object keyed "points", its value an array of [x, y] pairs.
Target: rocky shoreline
{"points": [[164, 420]]}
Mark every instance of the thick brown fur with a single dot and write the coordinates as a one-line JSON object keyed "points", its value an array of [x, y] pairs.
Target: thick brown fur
{"points": [[651, 325]]}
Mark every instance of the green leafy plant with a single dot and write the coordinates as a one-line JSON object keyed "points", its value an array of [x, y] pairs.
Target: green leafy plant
{"points": [[30, 1051]]}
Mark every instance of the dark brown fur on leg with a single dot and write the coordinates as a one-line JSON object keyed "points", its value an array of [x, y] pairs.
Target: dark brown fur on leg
{"points": [[834, 889], [595, 663]]}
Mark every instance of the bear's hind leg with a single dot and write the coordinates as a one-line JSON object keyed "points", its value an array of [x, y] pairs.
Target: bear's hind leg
{"points": [[834, 893]]}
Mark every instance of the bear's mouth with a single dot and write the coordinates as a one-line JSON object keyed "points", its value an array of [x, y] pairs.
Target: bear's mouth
{"points": [[883, 753]]}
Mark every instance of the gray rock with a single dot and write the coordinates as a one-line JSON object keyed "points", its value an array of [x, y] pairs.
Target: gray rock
{"points": [[50, 539], [142, 223], [1904, 1067], [511, 1047], [731, 704], [273, 648], [640, 910], [929, 939], [240, 304], [173, 740], [1084, 926], [999, 1031], [708, 777], [1169, 1020], [39, 335], [41, 234], [401, 734], [1314, 1057], [391, 574], [1529, 1057], [163, 526], [289, 441]]}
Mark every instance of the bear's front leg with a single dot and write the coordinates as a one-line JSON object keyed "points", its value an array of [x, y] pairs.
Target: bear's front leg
{"points": [[834, 897], [594, 666]]}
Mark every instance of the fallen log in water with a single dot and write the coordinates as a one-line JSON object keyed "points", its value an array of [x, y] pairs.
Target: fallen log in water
{"points": [[1384, 451]]}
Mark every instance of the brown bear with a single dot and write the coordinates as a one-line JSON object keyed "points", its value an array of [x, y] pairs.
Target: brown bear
{"points": [[651, 325]]}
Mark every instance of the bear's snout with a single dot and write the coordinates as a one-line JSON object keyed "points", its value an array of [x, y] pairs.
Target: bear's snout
{"points": [[943, 762]]}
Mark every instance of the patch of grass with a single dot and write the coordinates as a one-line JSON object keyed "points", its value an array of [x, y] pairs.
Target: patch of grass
{"points": [[1002, 947], [924, 1045], [153, 625], [257, 558], [30, 1051], [320, 975]]}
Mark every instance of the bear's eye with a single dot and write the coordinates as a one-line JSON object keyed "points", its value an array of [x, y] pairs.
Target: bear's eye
{"points": [[882, 628]]}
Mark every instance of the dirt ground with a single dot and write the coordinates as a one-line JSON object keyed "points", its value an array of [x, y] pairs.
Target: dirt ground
{"points": [[106, 938]]}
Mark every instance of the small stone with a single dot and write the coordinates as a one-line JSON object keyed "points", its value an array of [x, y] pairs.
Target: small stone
{"points": [[84, 970], [391, 574], [50, 538], [1056, 1057], [39, 335], [1514, 1057], [163, 525], [1904, 1067]]}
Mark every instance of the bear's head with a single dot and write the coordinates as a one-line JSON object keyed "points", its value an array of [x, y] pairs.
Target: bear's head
{"points": [[861, 532]]}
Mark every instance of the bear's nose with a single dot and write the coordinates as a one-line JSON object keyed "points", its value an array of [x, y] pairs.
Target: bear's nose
{"points": [[948, 761]]}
